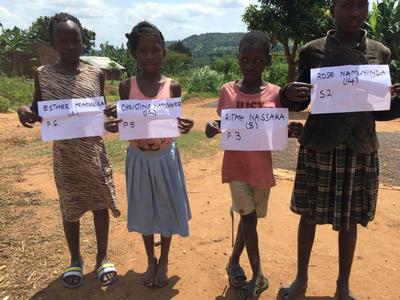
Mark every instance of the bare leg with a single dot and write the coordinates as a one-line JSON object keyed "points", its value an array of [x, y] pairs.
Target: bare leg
{"points": [[238, 247], [150, 273], [235, 272], [258, 283], [161, 278], [102, 225], [71, 231], [250, 237], [347, 245], [305, 241]]}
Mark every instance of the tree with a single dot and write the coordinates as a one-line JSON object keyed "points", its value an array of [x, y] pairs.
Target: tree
{"points": [[180, 48], [292, 23], [228, 65], [384, 26], [39, 30], [12, 42], [175, 62], [120, 55]]}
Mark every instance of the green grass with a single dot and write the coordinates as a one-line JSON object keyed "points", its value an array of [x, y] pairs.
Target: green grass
{"points": [[14, 92], [111, 90], [187, 96], [117, 151], [196, 145], [17, 91], [22, 147], [192, 145]]}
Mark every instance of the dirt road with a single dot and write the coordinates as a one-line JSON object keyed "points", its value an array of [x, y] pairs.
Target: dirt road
{"points": [[33, 251]]}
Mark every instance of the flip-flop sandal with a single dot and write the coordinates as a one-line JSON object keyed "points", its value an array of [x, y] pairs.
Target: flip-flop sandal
{"points": [[252, 291], [71, 272], [236, 276], [106, 274], [282, 292]]}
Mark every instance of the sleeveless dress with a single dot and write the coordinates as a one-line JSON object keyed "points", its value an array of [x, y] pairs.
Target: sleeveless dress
{"points": [[155, 182], [82, 171]]}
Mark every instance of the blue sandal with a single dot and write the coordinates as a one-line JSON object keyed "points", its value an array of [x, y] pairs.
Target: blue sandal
{"points": [[106, 273], [73, 272], [236, 276], [252, 290]]}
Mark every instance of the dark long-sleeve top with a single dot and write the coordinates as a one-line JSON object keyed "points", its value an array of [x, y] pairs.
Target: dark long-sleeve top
{"points": [[323, 132]]}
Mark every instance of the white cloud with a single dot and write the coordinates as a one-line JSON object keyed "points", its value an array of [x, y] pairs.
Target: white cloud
{"points": [[231, 4], [178, 12], [7, 18], [177, 19]]}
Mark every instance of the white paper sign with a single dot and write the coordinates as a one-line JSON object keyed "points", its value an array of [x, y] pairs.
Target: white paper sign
{"points": [[350, 88], [72, 118], [254, 129], [145, 119]]}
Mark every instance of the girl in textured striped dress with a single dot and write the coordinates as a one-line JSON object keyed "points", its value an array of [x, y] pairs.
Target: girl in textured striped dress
{"points": [[155, 183], [82, 172]]}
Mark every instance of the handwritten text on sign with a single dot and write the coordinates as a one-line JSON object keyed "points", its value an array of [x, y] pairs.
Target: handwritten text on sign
{"points": [[350, 88], [144, 119], [257, 129], [71, 118]]}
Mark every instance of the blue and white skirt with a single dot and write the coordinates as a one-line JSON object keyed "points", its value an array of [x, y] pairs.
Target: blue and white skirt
{"points": [[156, 191]]}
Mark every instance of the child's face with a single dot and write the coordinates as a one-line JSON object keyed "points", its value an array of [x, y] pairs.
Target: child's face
{"points": [[149, 53], [253, 60], [67, 40], [350, 14]]}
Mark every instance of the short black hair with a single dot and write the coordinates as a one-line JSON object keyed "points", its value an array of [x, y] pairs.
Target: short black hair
{"points": [[143, 28], [256, 37], [63, 17]]}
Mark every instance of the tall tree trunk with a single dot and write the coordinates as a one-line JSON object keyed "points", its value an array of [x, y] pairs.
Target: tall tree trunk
{"points": [[290, 56]]}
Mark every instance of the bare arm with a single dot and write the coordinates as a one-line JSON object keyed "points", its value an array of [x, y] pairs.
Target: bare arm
{"points": [[184, 125], [124, 89], [102, 84], [394, 111], [110, 111], [296, 95], [28, 115]]}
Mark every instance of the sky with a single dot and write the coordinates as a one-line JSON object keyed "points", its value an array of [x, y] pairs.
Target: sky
{"points": [[177, 19]]}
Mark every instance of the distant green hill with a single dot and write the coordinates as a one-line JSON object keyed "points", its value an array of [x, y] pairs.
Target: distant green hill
{"points": [[209, 45]]}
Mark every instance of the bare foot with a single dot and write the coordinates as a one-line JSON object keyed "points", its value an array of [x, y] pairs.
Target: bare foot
{"points": [[296, 289], [343, 292], [161, 278], [149, 275]]}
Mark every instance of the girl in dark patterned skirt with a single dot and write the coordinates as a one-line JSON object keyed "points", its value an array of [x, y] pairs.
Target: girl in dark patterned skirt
{"points": [[337, 171]]}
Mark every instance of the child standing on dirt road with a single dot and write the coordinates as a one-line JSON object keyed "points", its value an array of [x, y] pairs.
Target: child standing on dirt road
{"points": [[337, 171], [155, 183], [249, 173], [82, 171]]}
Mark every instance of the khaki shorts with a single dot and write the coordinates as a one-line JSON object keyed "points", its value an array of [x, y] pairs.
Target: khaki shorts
{"points": [[246, 199]]}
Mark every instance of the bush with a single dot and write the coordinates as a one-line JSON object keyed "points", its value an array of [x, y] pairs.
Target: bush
{"points": [[4, 105], [205, 80], [228, 65], [16, 90], [277, 74]]}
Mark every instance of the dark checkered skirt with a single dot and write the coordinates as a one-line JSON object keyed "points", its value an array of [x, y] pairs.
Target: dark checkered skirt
{"points": [[339, 187]]}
